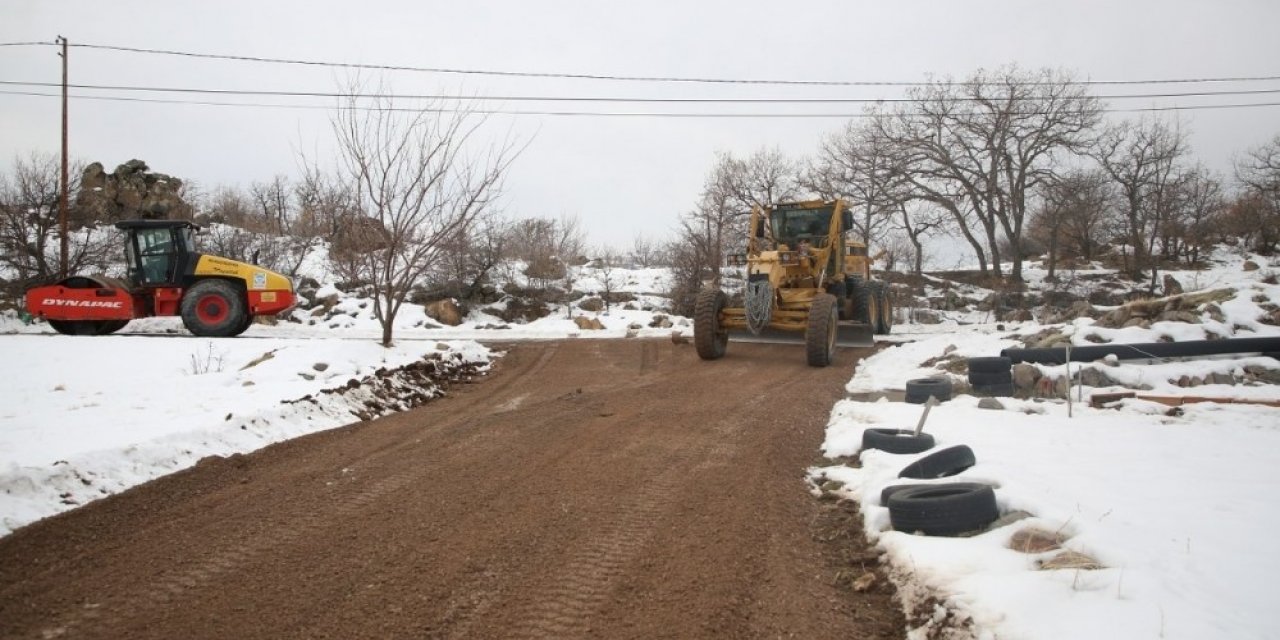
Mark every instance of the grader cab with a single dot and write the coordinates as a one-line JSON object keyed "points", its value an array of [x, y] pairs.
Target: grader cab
{"points": [[804, 276]]}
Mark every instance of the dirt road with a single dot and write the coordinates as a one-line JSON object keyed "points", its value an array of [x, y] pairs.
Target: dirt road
{"points": [[606, 489]]}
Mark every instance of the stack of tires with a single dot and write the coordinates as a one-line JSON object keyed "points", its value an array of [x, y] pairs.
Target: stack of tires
{"points": [[991, 376], [939, 509]]}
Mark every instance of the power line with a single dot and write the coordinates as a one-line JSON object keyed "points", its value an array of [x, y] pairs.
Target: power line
{"points": [[525, 98], [623, 78], [653, 114]]}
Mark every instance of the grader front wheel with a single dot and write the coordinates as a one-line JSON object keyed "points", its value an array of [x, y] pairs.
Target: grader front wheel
{"points": [[820, 335], [709, 337]]}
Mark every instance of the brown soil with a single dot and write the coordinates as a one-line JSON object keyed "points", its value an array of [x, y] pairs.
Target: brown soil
{"points": [[606, 489]]}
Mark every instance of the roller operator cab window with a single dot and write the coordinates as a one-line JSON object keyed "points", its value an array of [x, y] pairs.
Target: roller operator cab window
{"points": [[159, 255]]}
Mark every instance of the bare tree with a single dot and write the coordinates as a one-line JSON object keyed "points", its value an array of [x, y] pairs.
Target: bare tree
{"points": [[765, 177], [1259, 173], [645, 252], [990, 142], [1142, 159], [857, 164], [607, 262], [416, 186], [29, 225], [1070, 207], [917, 220], [468, 259]]}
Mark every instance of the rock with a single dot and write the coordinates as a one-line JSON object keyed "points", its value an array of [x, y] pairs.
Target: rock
{"points": [[990, 403], [1178, 316], [1070, 560], [1035, 540], [1025, 376], [320, 366], [1184, 381], [1138, 322], [587, 323], [592, 304], [1171, 286], [678, 338], [1221, 378], [129, 192], [1250, 265], [1092, 377], [1262, 374], [1007, 519], [445, 312], [927, 316], [660, 322], [635, 326], [1017, 315]]}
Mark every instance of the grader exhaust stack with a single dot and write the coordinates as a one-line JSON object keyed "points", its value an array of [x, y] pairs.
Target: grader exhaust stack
{"points": [[806, 283]]}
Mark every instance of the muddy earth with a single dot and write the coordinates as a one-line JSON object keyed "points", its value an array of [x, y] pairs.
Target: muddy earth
{"points": [[594, 489]]}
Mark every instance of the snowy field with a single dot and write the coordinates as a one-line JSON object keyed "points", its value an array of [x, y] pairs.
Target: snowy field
{"points": [[1179, 510]]}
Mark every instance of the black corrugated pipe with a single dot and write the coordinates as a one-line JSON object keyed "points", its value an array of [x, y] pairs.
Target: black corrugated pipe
{"points": [[1089, 353]]}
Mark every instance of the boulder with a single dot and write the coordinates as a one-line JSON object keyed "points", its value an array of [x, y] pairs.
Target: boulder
{"points": [[591, 304], [1091, 377], [1250, 265], [660, 322], [1025, 376], [927, 316], [445, 312], [587, 323], [990, 403], [1171, 286], [131, 191]]}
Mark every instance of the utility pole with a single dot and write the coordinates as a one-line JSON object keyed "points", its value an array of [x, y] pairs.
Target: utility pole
{"points": [[62, 199]]}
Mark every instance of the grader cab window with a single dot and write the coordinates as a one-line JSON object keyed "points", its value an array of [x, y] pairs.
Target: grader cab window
{"points": [[791, 225]]}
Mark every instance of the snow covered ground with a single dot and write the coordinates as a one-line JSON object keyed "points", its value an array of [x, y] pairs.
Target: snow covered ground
{"points": [[1179, 509]]}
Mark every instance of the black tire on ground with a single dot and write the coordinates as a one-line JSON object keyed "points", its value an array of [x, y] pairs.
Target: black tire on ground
{"points": [[919, 390], [942, 463], [861, 299], [106, 327], [709, 338], [1003, 390], [213, 308], [987, 379], [886, 311], [888, 491], [76, 327], [990, 365], [946, 509], [896, 440], [820, 334], [248, 322]]}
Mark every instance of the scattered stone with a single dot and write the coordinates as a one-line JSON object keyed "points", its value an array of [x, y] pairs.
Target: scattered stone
{"points": [[1025, 376], [588, 324], [1250, 265], [1036, 540], [864, 583], [660, 322], [320, 366], [635, 326], [445, 312], [990, 403], [678, 338], [307, 376], [1222, 378], [1094, 377], [1070, 560]]}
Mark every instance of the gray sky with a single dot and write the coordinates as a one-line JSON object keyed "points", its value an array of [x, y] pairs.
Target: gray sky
{"points": [[621, 176]]}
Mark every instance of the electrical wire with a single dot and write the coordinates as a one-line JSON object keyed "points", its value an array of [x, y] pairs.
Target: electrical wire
{"points": [[525, 98], [653, 114], [625, 78]]}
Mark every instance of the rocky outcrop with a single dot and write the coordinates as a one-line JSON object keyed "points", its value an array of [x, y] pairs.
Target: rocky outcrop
{"points": [[445, 312], [130, 192]]}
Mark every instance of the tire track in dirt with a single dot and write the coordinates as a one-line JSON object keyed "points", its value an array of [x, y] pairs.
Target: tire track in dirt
{"points": [[118, 609], [617, 489]]}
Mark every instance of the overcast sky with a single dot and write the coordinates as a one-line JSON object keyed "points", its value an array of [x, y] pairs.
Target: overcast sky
{"points": [[623, 175]]}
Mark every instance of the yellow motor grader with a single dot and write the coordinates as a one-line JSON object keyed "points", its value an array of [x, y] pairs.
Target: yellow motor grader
{"points": [[803, 275]]}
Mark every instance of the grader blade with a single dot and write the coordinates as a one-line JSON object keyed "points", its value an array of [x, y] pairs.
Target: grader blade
{"points": [[849, 335]]}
